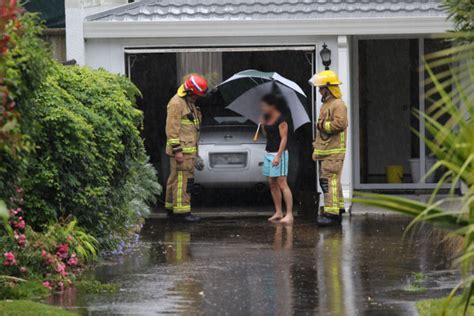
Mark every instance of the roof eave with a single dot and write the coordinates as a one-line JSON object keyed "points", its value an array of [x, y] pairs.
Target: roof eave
{"points": [[225, 28]]}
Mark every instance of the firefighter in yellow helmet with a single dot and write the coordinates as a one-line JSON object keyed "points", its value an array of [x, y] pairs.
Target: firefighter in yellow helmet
{"points": [[330, 145], [183, 123]]}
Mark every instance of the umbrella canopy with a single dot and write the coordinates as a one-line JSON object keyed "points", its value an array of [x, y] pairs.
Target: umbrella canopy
{"points": [[243, 91]]}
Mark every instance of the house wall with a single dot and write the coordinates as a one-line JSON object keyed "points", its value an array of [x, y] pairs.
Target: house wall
{"points": [[109, 54], [75, 13]]}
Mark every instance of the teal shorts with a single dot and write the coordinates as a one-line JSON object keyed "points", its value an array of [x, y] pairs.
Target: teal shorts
{"points": [[269, 170]]}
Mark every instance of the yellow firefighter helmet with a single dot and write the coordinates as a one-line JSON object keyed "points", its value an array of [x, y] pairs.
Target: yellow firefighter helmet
{"points": [[325, 78]]}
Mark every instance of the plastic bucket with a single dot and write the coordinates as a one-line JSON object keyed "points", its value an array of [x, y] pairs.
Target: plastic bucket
{"points": [[415, 169], [394, 173]]}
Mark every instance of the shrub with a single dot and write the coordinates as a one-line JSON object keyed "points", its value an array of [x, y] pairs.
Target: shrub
{"points": [[90, 160], [24, 66], [86, 158], [53, 257]]}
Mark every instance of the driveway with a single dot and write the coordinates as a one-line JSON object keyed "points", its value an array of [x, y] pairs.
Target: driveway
{"points": [[247, 266]]}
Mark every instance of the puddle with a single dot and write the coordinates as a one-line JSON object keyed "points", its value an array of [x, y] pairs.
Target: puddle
{"points": [[250, 267]]}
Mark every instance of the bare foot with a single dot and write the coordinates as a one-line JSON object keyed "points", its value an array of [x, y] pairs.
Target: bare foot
{"points": [[276, 217], [288, 219]]}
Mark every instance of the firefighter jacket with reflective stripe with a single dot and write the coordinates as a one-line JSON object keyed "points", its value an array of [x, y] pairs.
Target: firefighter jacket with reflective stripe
{"points": [[330, 142], [183, 122]]}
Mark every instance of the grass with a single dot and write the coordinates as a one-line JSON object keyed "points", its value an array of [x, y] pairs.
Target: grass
{"points": [[417, 285], [24, 307], [96, 287], [434, 307], [23, 290]]}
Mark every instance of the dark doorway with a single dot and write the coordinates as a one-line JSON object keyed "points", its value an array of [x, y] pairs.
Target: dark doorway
{"points": [[389, 93]]}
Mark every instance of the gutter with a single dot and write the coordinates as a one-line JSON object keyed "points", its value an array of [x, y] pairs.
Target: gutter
{"points": [[229, 28]]}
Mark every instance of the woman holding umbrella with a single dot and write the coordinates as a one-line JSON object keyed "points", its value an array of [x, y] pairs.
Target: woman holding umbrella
{"points": [[241, 93], [275, 165]]}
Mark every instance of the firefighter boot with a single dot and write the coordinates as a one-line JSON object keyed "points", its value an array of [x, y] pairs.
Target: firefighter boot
{"points": [[327, 219]]}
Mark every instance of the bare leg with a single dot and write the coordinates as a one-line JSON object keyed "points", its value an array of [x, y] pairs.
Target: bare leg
{"points": [[288, 197], [276, 195]]}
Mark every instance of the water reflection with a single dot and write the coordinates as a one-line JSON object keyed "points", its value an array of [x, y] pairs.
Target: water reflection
{"points": [[248, 267], [282, 269]]}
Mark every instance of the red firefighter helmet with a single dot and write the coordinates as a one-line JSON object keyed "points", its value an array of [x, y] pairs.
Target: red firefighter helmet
{"points": [[194, 84]]}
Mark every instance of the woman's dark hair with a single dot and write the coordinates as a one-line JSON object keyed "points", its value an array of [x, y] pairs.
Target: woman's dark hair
{"points": [[275, 100], [270, 99]]}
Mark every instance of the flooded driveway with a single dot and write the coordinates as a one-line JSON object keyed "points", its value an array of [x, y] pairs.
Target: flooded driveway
{"points": [[250, 267]]}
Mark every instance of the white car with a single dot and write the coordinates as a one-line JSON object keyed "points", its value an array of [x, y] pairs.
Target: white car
{"points": [[231, 157]]}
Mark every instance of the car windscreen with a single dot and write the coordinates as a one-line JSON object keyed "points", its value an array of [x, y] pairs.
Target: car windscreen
{"points": [[214, 112]]}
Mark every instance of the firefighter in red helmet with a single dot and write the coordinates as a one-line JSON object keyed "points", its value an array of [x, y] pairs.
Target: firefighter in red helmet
{"points": [[183, 123]]}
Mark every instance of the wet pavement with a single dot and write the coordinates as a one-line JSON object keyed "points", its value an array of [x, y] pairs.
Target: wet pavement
{"points": [[251, 267]]}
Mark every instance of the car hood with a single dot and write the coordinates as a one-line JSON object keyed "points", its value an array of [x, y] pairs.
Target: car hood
{"points": [[224, 135]]}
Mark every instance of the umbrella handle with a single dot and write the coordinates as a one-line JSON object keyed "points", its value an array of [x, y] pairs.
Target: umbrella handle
{"points": [[256, 133]]}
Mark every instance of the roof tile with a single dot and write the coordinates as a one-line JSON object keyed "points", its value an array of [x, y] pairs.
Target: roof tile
{"points": [[175, 10]]}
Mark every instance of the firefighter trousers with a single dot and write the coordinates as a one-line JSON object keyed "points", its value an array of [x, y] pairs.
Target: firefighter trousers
{"points": [[180, 183], [330, 181]]}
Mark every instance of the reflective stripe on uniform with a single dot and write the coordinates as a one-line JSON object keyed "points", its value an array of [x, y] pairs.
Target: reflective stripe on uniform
{"points": [[168, 205], [342, 138], [326, 152], [331, 210], [189, 150], [335, 203], [171, 141], [180, 208], [327, 127], [188, 122], [179, 193]]}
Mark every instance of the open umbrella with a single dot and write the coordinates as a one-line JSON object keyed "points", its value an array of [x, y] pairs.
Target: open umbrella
{"points": [[243, 91]]}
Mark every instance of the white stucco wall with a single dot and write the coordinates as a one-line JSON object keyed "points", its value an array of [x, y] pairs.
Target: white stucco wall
{"points": [[75, 13], [109, 53]]}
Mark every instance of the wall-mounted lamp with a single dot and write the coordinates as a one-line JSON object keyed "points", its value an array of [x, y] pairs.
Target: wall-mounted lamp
{"points": [[325, 54]]}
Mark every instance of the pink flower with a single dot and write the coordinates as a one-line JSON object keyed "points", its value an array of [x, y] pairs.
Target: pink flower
{"points": [[20, 224], [61, 269], [63, 250], [20, 239], [73, 261], [23, 270], [9, 259], [47, 256], [47, 285], [60, 286]]}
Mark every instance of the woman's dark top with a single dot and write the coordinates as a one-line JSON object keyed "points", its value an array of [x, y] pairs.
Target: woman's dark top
{"points": [[273, 135]]}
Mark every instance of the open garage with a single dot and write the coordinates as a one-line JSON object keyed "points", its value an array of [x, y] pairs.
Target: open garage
{"points": [[233, 159]]}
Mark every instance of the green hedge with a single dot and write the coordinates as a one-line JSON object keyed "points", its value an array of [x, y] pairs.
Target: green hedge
{"points": [[87, 158], [88, 151]]}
